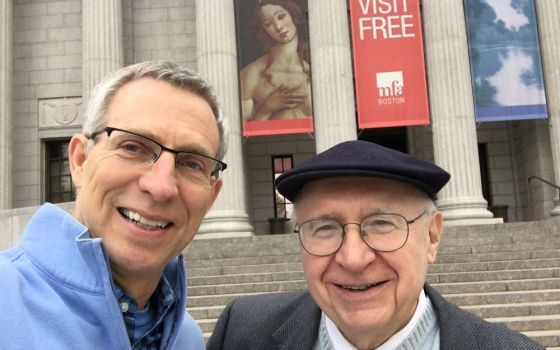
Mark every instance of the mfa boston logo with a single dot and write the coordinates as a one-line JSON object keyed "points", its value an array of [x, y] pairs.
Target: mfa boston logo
{"points": [[390, 88]]}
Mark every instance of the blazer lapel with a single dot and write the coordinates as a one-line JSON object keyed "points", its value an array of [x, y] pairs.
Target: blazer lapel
{"points": [[300, 330], [455, 330]]}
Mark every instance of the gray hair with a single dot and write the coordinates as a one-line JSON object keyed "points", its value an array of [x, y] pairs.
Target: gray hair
{"points": [[169, 72]]}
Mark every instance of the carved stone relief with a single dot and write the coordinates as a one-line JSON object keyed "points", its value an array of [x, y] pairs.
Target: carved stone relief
{"points": [[60, 112]]}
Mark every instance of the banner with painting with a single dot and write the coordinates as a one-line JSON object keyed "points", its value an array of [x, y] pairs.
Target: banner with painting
{"points": [[389, 69], [506, 65], [274, 66]]}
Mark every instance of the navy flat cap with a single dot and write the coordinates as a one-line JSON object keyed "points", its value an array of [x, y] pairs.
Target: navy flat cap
{"points": [[362, 158]]}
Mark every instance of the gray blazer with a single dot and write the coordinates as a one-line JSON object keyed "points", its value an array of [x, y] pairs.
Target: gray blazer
{"points": [[290, 321]]}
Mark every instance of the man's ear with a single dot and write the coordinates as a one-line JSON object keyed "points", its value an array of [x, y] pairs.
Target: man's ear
{"points": [[215, 191], [436, 227], [77, 154]]}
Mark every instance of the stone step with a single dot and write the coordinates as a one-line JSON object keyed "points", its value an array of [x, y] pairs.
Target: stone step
{"points": [[544, 254], [529, 323], [517, 309], [495, 239], [263, 287], [208, 271], [245, 278], [531, 228], [494, 265], [498, 286], [549, 339], [213, 299], [515, 247], [245, 269], [528, 274], [202, 249], [498, 256], [507, 297], [207, 326], [495, 248], [205, 312], [244, 260]]}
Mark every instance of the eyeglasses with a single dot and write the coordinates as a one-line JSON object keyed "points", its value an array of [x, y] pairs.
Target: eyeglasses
{"points": [[140, 151], [381, 232]]}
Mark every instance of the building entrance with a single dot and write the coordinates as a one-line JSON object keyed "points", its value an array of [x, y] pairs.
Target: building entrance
{"points": [[394, 138]]}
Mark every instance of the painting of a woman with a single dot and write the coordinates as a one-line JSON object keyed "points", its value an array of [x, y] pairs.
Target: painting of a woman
{"points": [[277, 85]]}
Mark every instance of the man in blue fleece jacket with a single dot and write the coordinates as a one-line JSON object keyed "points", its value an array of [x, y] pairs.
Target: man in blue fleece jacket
{"points": [[146, 166]]}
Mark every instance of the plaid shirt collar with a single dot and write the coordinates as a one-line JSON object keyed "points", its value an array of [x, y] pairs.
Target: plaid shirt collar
{"points": [[164, 301]]}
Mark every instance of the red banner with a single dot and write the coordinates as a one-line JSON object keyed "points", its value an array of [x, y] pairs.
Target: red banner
{"points": [[389, 68], [277, 127]]}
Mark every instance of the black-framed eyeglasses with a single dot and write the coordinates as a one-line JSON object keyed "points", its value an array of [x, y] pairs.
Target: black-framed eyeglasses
{"points": [[381, 232], [138, 150]]}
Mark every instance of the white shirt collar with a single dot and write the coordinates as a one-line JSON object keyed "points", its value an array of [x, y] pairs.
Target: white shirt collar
{"points": [[341, 343]]}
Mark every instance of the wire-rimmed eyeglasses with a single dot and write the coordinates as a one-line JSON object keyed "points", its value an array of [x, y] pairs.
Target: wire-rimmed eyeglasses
{"points": [[381, 232], [139, 150]]}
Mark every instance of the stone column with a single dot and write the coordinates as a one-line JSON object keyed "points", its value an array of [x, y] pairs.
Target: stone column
{"points": [[102, 42], [452, 109], [548, 12], [217, 61], [6, 14], [331, 65]]}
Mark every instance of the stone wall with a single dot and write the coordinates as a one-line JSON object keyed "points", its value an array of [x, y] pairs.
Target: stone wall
{"points": [[161, 30], [13, 223], [46, 64]]}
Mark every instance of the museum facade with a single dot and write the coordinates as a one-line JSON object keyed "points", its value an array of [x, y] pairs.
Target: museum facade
{"points": [[54, 52]]}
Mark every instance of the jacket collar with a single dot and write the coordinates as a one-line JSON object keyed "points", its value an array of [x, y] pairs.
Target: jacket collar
{"points": [[300, 330], [452, 326], [50, 240]]}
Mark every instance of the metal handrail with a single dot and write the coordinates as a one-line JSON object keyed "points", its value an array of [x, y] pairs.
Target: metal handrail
{"points": [[530, 192]]}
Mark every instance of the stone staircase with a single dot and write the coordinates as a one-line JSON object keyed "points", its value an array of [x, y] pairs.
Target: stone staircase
{"points": [[507, 273]]}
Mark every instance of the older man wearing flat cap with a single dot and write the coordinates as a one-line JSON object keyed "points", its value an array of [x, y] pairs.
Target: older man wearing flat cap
{"points": [[369, 228]]}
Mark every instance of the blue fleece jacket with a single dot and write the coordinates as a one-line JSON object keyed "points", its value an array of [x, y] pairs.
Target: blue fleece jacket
{"points": [[56, 292]]}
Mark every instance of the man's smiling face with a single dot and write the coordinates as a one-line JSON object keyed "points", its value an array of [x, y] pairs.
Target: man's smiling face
{"points": [[369, 295], [145, 215]]}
